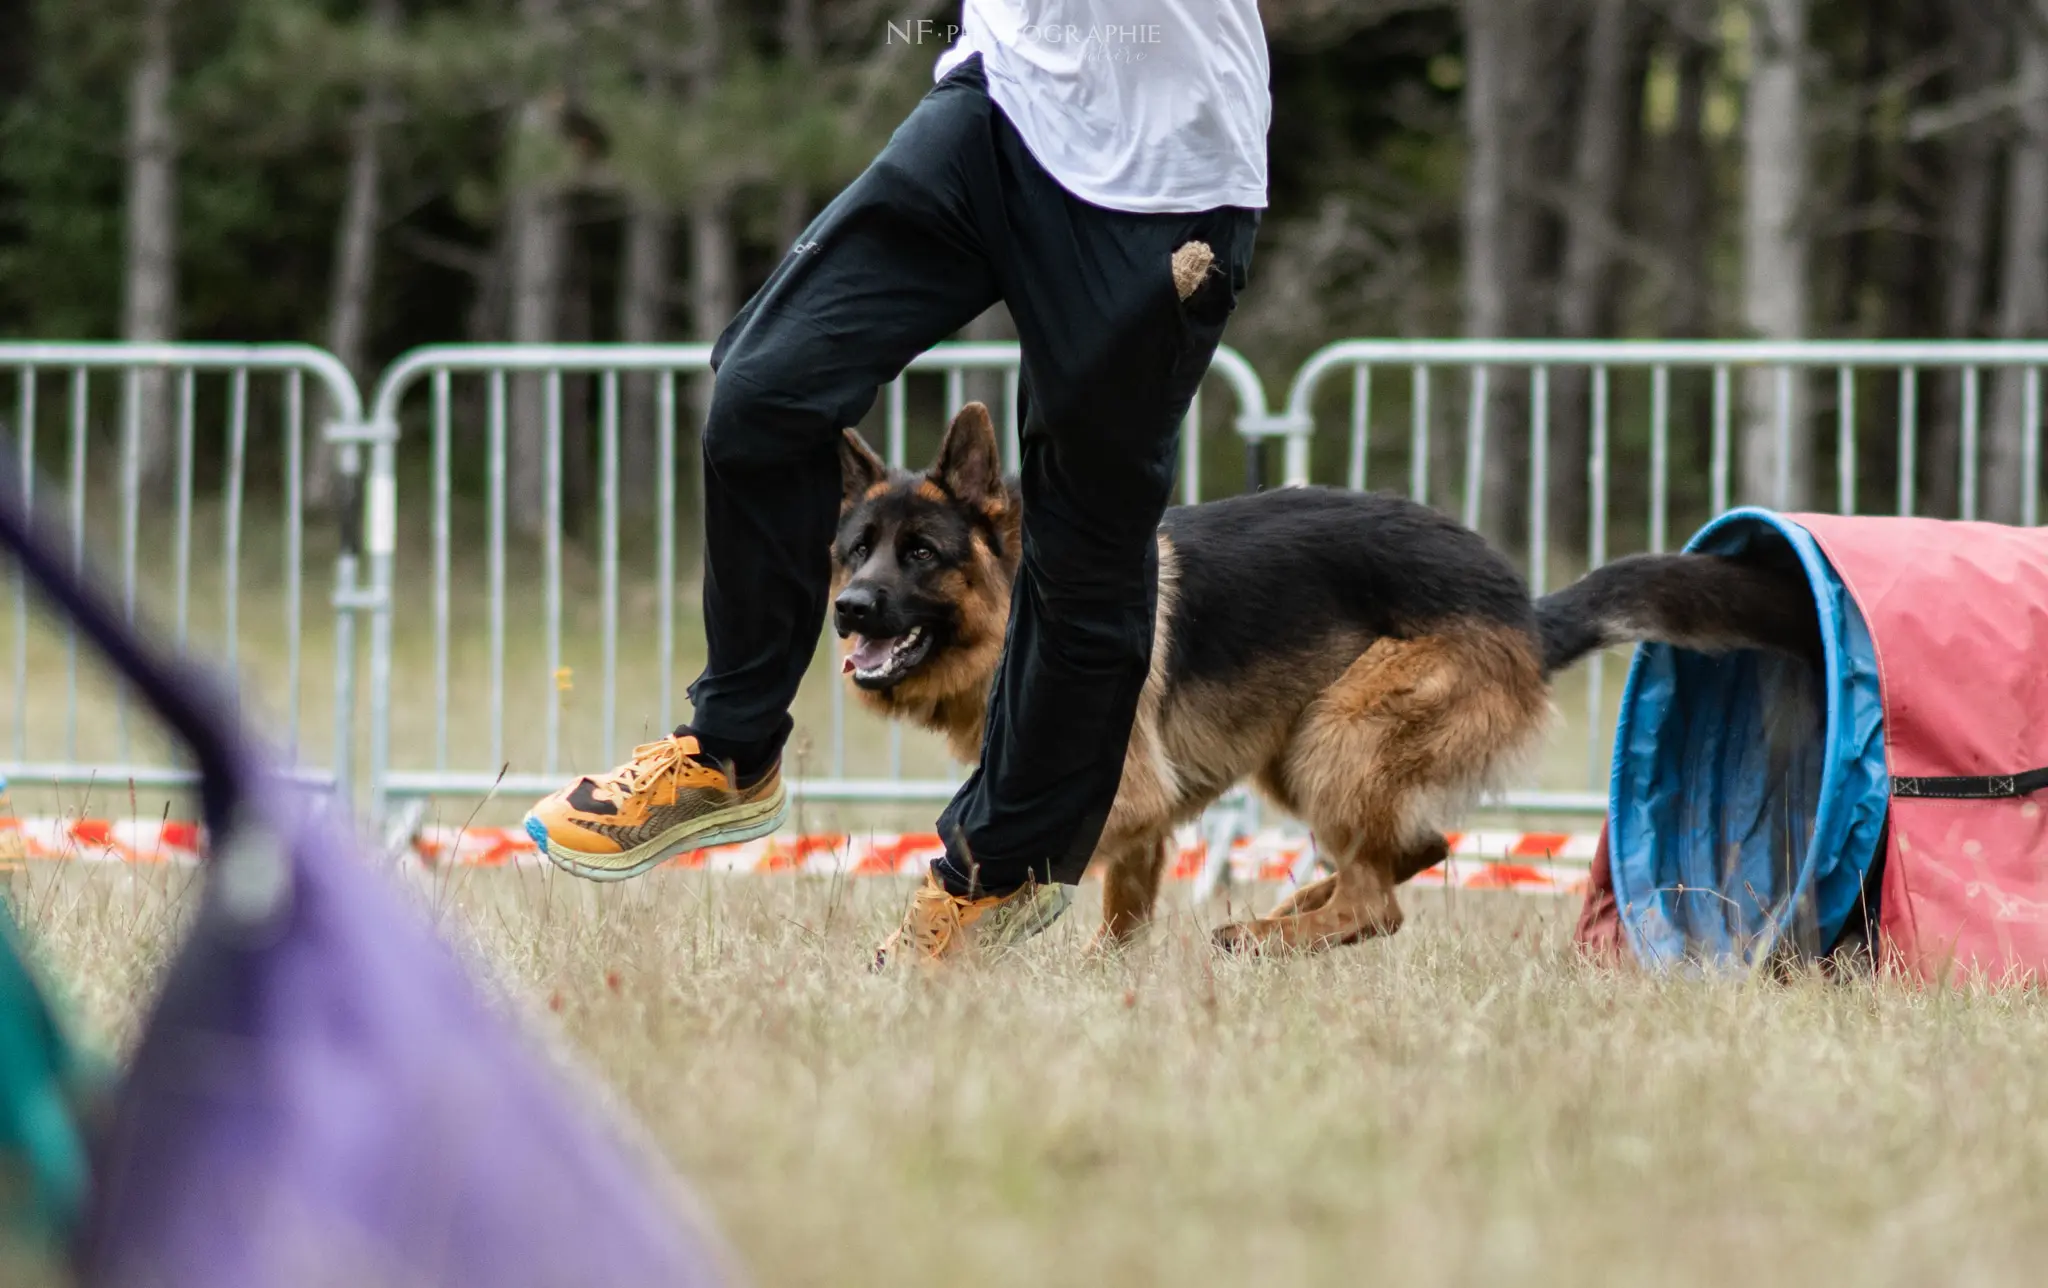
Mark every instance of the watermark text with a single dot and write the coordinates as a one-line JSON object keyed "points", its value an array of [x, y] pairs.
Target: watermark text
{"points": [[1115, 42]]}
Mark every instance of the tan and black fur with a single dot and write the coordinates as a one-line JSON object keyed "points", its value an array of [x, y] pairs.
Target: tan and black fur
{"points": [[1370, 664]]}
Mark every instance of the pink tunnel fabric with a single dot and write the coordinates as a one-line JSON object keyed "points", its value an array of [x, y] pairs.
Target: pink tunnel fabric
{"points": [[1959, 616]]}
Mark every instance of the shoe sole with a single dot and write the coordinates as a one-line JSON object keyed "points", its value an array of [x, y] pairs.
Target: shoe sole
{"points": [[1031, 920], [1047, 906], [729, 826]]}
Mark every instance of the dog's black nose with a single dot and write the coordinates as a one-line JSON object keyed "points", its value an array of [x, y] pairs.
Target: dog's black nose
{"points": [[857, 610]]}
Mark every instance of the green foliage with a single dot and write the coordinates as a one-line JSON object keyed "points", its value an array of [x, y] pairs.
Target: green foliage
{"points": [[628, 103], [60, 183], [265, 93]]}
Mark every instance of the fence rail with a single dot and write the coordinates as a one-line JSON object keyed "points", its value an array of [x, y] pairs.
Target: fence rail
{"points": [[1664, 435], [512, 379], [256, 401], [1783, 398]]}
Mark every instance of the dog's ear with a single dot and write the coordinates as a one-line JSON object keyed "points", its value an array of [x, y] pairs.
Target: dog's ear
{"points": [[859, 467], [970, 465]]}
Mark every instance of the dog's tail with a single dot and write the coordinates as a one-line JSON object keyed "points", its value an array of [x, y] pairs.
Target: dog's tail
{"points": [[1702, 602]]}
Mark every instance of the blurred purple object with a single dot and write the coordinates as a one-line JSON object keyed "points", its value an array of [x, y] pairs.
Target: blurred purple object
{"points": [[322, 1096]]}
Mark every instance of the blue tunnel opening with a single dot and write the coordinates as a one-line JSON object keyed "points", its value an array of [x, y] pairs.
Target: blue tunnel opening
{"points": [[1748, 793]]}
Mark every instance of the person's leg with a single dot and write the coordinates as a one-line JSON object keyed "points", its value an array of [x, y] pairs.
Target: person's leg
{"points": [[892, 266], [889, 269], [1113, 355]]}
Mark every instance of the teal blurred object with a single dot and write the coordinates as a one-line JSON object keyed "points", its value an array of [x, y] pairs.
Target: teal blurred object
{"points": [[43, 1172]]}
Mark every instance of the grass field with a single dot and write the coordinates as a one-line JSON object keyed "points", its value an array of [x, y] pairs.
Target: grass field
{"points": [[1465, 1104]]}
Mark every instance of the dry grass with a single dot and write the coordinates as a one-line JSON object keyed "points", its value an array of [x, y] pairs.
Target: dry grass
{"points": [[1464, 1104]]}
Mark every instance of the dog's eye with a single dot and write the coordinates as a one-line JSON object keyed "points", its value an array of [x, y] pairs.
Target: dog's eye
{"points": [[858, 554], [922, 553]]}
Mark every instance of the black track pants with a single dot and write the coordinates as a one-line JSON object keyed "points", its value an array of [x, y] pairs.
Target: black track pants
{"points": [[953, 216]]}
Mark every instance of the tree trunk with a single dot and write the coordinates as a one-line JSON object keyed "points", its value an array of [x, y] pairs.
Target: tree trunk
{"points": [[2023, 278], [1967, 214], [1909, 279], [149, 309], [489, 316], [714, 267], [1487, 104], [580, 499], [1592, 226], [1499, 232], [714, 252], [1585, 298], [714, 298], [536, 238], [714, 255], [1688, 180], [643, 311], [1774, 280], [355, 246], [1490, 100], [1854, 267], [800, 50]]}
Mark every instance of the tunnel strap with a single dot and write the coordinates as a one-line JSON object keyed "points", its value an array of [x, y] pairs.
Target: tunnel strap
{"points": [[1988, 787]]}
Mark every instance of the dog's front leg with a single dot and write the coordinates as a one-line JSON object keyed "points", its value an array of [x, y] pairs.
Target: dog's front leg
{"points": [[1132, 867]]}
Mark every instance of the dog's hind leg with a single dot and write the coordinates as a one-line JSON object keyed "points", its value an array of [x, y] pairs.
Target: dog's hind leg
{"points": [[1412, 728], [1317, 893], [1357, 903], [1308, 898], [1421, 858]]}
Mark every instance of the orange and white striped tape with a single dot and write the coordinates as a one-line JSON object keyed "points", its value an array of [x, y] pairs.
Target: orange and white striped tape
{"points": [[1537, 862], [99, 840]]}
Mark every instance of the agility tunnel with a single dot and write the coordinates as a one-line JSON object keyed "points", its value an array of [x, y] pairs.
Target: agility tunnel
{"points": [[1762, 809], [322, 1093]]}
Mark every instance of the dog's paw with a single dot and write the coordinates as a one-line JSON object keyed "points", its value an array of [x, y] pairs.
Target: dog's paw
{"points": [[1240, 937]]}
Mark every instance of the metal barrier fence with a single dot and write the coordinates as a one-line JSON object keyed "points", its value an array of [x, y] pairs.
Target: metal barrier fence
{"points": [[1783, 401], [474, 754], [1667, 430], [177, 408]]}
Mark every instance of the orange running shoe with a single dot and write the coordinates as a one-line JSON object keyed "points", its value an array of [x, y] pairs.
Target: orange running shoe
{"points": [[669, 799], [942, 925]]}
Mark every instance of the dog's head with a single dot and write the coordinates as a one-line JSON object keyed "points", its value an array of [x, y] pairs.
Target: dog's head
{"points": [[922, 568]]}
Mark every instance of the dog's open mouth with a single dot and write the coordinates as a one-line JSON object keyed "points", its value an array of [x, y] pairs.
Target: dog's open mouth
{"points": [[879, 663]]}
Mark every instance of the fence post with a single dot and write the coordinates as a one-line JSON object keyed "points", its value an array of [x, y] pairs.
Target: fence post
{"points": [[348, 516], [367, 517], [392, 786], [290, 367]]}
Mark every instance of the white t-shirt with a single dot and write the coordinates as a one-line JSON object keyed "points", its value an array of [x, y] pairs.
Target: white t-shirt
{"points": [[1141, 105]]}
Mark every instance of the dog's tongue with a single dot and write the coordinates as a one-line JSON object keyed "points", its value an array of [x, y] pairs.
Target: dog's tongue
{"points": [[868, 654]]}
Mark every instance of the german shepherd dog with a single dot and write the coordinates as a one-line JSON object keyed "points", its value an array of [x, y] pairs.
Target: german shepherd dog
{"points": [[1370, 664]]}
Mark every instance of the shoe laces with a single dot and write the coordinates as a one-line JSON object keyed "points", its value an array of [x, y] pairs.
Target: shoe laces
{"points": [[652, 764], [932, 921]]}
